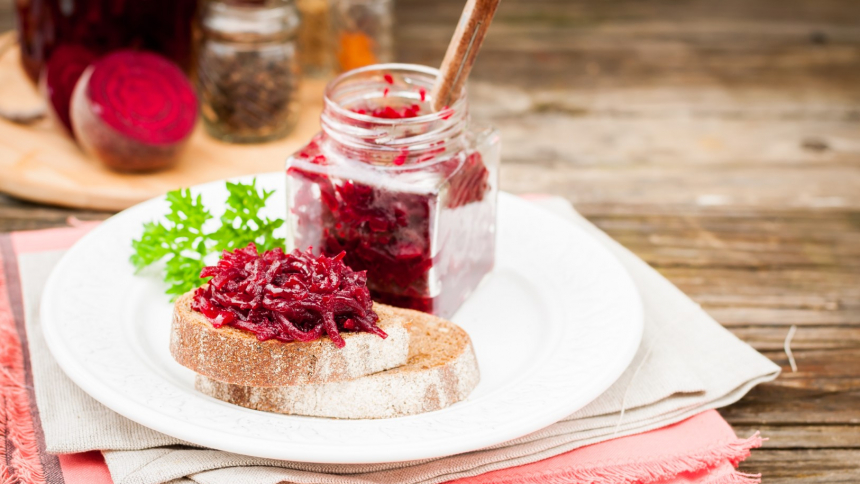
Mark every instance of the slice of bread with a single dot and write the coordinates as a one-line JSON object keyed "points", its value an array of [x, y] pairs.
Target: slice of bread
{"points": [[236, 356], [442, 370]]}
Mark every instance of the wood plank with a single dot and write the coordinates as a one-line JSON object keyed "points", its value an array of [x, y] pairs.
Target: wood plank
{"points": [[805, 466], [745, 186], [547, 13], [807, 436], [784, 317], [814, 401], [768, 42], [17, 214], [644, 127], [768, 339], [805, 288]]}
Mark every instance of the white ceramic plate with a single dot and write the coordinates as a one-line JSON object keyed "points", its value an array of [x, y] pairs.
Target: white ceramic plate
{"points": [[553, 327]]}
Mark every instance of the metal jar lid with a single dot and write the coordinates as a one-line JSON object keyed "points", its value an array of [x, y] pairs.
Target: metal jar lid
{"points": [[250, 20]]}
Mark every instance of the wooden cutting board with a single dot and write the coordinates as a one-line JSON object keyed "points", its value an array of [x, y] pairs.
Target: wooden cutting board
{"points": [[41, 163]]}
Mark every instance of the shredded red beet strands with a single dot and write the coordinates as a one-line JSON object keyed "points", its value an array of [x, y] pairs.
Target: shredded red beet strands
{"points": [[143, 96], [62, 72], [401, 158], [387, 233], [388, 112], [471, 182], [287, 297]]}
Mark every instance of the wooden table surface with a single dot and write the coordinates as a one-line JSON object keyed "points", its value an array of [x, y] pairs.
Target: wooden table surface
{"points": [[720, 141]]}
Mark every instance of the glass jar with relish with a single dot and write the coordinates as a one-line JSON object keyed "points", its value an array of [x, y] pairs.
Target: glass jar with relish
{"points": [[408, 194], [248, 70]]}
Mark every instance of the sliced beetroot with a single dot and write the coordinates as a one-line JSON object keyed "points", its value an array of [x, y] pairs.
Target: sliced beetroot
{"points": [[134, 111], [62, 71], [287, 297]]}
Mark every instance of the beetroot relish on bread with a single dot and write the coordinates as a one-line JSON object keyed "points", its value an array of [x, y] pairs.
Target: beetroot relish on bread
{"points": [[286, 297], [236, 356]]}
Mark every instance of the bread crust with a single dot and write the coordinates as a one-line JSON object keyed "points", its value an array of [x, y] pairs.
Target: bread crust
{"points": [[236, 356], [442, 370]]}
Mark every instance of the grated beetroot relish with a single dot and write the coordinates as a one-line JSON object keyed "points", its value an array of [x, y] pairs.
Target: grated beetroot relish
{"points": [[389, 112], [387, 233], [287, 297]]}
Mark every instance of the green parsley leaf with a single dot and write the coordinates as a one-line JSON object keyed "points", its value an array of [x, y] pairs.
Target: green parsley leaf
{"points": [[183, 245], [241, 223]]}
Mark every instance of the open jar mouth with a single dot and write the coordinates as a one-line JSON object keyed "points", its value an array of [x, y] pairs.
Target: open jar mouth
{"points": [[419, 76], [400, 86]]}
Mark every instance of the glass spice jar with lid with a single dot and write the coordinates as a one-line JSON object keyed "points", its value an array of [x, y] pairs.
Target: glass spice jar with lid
{"points": [[409, 194], [315, 37], [248, 70], [362, 32]]}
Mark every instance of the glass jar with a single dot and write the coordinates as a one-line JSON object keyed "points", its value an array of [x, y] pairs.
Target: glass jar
{"points": [[101, 26], [248, 71], [315, 37], [410, 197], [362, 32]]}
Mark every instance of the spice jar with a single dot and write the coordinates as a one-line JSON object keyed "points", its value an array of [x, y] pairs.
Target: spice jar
{"points": [[407, 193], [362, 32], [248, 73], [315, 37]]}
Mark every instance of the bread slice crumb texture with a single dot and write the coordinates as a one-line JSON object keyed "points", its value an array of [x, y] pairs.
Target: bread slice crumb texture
{"points": [[441, 370], [235, 356]]}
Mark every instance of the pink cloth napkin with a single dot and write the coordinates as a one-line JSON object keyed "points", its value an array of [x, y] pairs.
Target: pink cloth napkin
{"points": [[701, 449]]}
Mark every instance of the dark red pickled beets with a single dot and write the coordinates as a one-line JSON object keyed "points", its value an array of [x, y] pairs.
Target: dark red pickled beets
{"points": [[287, 297], [389, 112]]}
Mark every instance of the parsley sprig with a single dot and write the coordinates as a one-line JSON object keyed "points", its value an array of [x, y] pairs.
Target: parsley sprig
{"points": [[241, 223], [183, 245]]}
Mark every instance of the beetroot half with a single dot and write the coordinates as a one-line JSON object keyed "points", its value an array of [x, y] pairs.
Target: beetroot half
{"points": [[134, 111], [61, 73]]}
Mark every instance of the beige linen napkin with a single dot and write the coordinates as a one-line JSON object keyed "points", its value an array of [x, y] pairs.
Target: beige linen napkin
{"points": [[686, 363]]}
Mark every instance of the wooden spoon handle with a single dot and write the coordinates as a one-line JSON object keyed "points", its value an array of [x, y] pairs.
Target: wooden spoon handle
{"points": [[462, 51]]}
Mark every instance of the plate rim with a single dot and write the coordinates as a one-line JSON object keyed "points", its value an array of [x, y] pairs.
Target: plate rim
{"points": [[146, 416]]}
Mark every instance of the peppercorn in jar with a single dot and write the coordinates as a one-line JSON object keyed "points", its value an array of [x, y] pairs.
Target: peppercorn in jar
{"points": [[248, 70]]}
